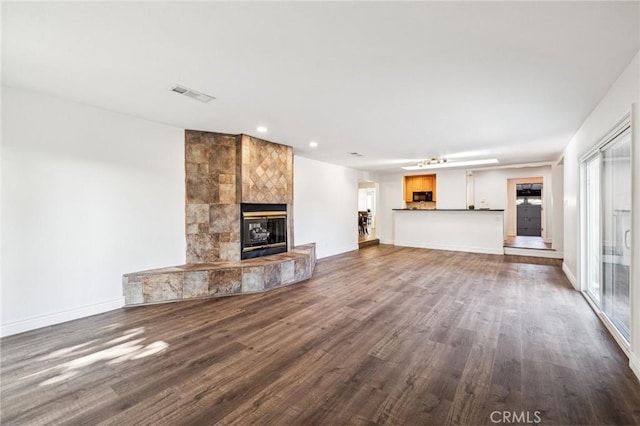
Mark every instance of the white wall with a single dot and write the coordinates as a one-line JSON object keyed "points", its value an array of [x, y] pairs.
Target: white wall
{"points": [[451, 189], [557, 204], [617, 102], [88, 195], [325, 206], [391, 196], [1, 208], [490, 190]]}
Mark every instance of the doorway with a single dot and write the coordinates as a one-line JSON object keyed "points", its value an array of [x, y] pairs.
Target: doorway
{"points": [[606, 229], [525, 214], [367, 194]]}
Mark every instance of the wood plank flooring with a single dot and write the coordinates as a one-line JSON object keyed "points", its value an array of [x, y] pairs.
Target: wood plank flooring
{"points": [[383, 335]]}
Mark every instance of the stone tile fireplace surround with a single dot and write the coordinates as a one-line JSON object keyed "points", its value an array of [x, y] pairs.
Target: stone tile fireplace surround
{"points": [[222, 172]]}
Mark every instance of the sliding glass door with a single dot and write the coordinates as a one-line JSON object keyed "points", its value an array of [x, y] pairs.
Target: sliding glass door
{"points": [[616, 231], [592, 218], [607, 228]]}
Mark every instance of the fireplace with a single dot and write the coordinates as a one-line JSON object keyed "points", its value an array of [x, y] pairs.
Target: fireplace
{"points": [[264, 229]]}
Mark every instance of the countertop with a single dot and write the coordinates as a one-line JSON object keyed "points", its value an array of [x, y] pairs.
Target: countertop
{"points": [[451, 210]]}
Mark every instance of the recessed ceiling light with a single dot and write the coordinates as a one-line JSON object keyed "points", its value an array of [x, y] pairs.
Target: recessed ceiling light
{"points": [[261, 129], [193, 94], [313, 144], [427, 165]]}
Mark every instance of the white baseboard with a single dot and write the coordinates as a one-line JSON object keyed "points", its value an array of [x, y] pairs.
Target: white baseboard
{"points": [[56, 318], [383, 241], [483, 250], [570, 276], [634, 364]]}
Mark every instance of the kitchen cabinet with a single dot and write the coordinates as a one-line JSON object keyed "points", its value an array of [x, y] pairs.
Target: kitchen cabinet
{"points": [[419, 183], [410, 185], [426, 183]]}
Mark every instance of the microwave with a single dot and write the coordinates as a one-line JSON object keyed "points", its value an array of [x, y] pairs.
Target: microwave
{"points": [[422, 196]]}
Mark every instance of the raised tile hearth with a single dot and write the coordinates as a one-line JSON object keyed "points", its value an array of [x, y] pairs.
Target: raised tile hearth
{"points": [[201, 280]]}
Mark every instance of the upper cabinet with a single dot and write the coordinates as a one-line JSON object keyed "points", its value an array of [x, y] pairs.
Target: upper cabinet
{"points": [[419, 183]]}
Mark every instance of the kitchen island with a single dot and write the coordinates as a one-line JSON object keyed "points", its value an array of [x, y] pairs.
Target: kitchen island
{"points": [[475, 231]]}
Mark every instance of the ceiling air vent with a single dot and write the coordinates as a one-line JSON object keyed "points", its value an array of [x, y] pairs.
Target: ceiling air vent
{"points": [[193, 94]]}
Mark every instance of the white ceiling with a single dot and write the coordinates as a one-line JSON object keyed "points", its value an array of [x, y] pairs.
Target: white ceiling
{"points": [[397, 82]]}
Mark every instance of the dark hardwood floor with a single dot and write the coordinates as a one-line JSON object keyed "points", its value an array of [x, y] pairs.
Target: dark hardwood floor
{"points": [[382, 335]]}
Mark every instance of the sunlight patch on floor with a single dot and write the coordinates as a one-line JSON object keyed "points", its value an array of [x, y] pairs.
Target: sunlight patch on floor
{"points": [[94, 354], [62, 352]]}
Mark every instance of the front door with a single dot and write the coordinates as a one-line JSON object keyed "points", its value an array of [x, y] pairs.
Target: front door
{"points": [[529, 209], [529, 220]]}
